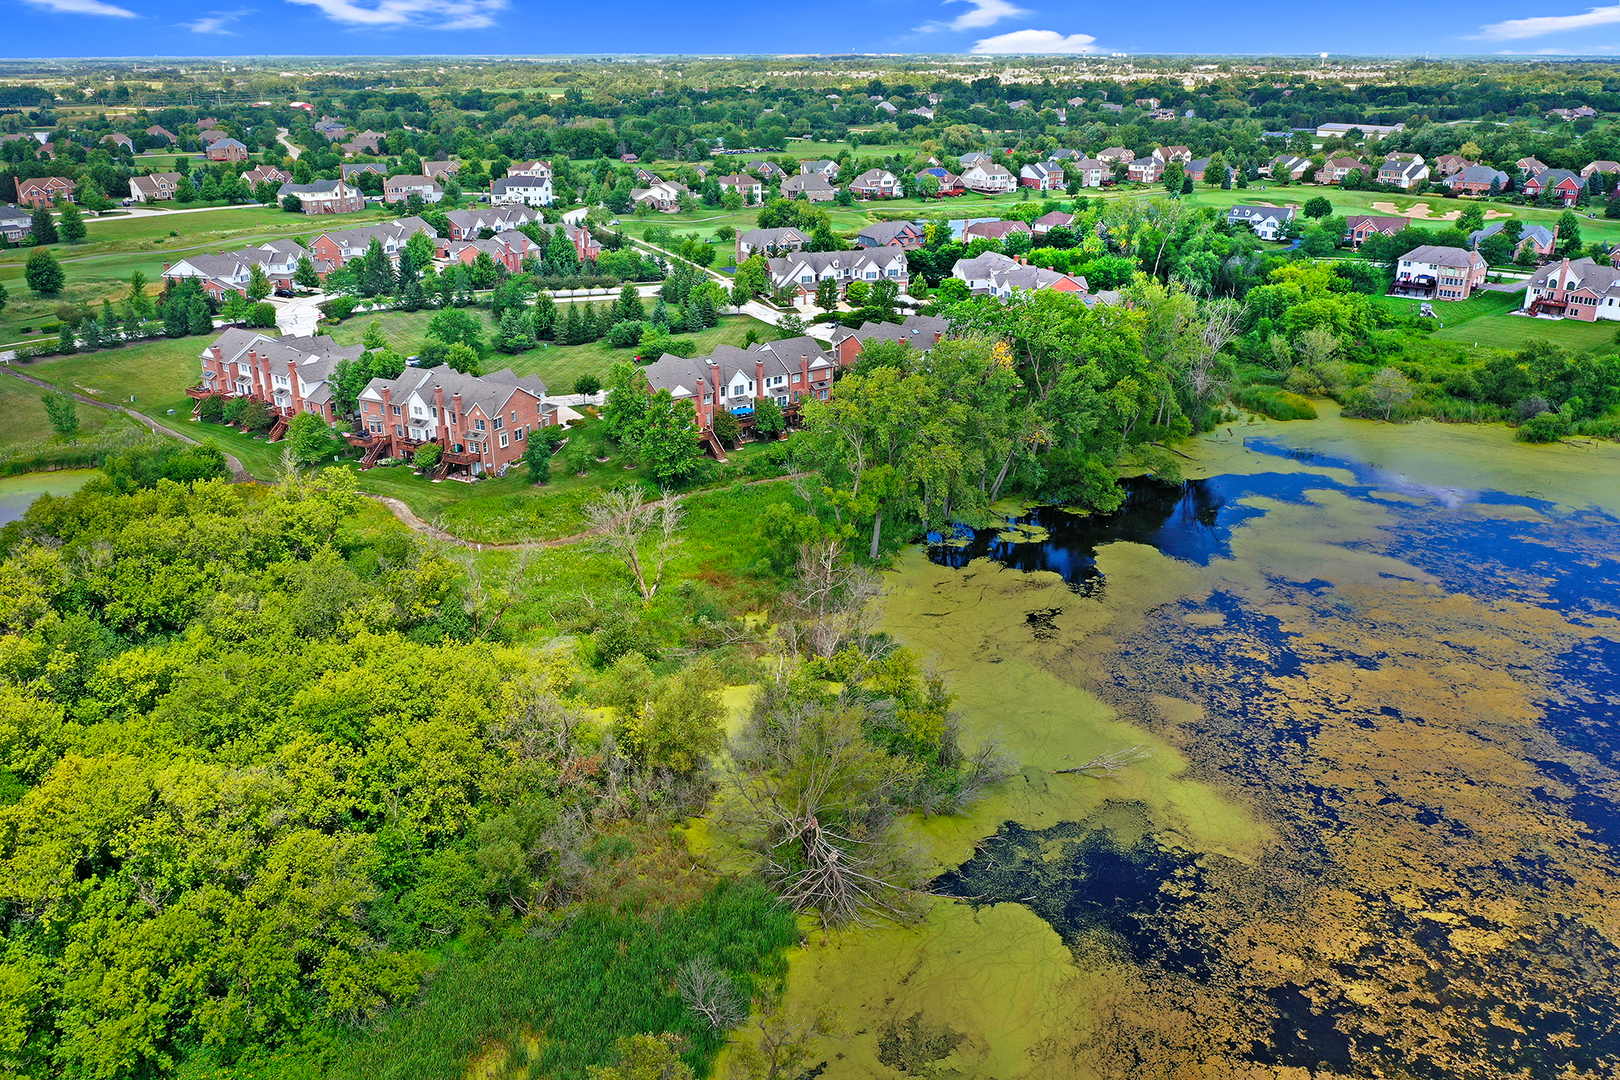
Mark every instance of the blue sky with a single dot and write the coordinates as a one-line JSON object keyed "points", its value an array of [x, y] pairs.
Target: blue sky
{"points": [[431, 27]]}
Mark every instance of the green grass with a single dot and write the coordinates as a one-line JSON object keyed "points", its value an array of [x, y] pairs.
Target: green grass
{"points": [[22, 414], [1486, 319]]}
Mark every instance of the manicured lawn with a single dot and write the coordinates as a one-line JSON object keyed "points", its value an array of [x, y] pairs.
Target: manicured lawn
{"points": [[1487, 320]]}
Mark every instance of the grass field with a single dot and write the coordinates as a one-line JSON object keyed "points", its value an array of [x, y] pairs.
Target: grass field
{"points": [[1486, 319], [22, 414]]}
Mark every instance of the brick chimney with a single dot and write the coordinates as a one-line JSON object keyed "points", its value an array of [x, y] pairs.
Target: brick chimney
{"points": [[444, 421], [459, 416], [804, 370], [759, 378], [292, 385]]}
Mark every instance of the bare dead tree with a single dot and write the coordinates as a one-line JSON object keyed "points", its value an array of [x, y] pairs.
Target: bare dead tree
{"points": [[486, 601], [831, 604], [1109, 765], [642, 535], [1222, 321], [782, 1047], [711, 995]]}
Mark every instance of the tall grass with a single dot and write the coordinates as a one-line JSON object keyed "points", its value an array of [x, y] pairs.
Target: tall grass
{"points": [[1275, 403], [85, 453]]}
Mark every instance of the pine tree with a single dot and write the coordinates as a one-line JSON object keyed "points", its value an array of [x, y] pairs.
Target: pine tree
{"points": [[660, 313], [628, 307], [571, 327], [44, 226], [544, 316], [692, 316], [199, 320], [589, 326], [706, 308], [89, 335]]}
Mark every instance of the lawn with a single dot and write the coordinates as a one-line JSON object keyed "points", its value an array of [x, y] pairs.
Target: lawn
{"points": [[1486, 319]]}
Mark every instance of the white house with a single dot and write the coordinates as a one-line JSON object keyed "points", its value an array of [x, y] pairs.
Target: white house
{"points": [[528, 189], [988, 178], [1268, 222]]}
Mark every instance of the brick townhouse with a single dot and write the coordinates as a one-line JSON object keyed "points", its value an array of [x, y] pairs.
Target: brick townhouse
{"points": [[483, 423]]}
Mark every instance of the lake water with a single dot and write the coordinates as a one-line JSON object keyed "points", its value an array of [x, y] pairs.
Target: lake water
{"points": [[1376, 670], [17, 493]]}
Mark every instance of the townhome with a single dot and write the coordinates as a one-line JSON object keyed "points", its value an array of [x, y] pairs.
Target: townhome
{"points": [[335, 248], [398, 189], [16, 223], [1057, 219], [1358, 227], [1042, 177], [1334, 170], [290, 374], [993, 230], [801, 271], [664, 197], [157, 187], [995, 274], [1268, 222], [828, 170], [1438, 273], [1405, 171], [771, 242], [483, 423], [1565, 186], [468, 224], [733, 379], [1538, 239], [812, 187], [1167, 154], [325, 197], [907, 235], [525, 188], [1479, 180], [1576, 289], [45, 191], [950, 184], [265, 173], [875, 184], [227, 150], [1090, 172], [752, 190], [229, 274], [988, 178], [1148, 170], [508, 249], [1115, 154], [921, 332]]}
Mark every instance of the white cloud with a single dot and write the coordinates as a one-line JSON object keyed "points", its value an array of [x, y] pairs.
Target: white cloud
{"points": [[1036, 41], [981, 13], [215, 22], [386, 14], [1542, 25], [84, 7]]}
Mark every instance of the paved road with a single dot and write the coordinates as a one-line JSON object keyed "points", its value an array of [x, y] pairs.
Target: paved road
{"points": [[292, 150]]}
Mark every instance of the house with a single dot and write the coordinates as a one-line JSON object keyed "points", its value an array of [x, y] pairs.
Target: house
{"points": [[1064, 156], [1161, 115], [1334, 170], [530, 190], [976, 157], [336, 248], [995, 274], [921, 332], [1451, 164], [442, 169], [901, 234], [1576, 289], [647, 178], [223, 276], [1148, 170], [888, 107], [227, 150], [45, 190], [1057, 219], [1289, 165], [586, 246], [1359, 227], [1528, 166], [876, 184], [1116, 154], [1479, 180], [1147, 103], [325, 197], [629, 159], [1047, 177], [1438, 273], [813, 187], [290, 374], [1268, 222], [730, 378], [332, 128], [1610, 167], [770, 241], [158, 187], [1371, 131], [1198, 169], [752, 190], [156, 132], [1090, 172], [989, 179], [211, 135], [467, 224], [1565, 186], [349, 171], [118, 138], [16, 223], [1405, 171], [367, 142], [802, 271], [820, 167], [994, 230], [536, 169], [949, 183], [398, 189], [265, 173], [1167, 154], [664, 197], [1537, 238], [481, 422], [923, 111], [507, 249], [766, 170]]}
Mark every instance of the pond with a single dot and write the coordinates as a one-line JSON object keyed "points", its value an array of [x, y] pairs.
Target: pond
{"points": [[1373, 676], [17, 493]]}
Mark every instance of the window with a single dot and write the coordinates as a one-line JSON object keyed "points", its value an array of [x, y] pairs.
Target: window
{"points": [[518, 434], [498, 422], [504, 440], [478, 425], [395, 410]]}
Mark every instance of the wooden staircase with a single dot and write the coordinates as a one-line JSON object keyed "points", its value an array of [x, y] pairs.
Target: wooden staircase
{"points": [[278, 429], [715, 447], [373, 453]]}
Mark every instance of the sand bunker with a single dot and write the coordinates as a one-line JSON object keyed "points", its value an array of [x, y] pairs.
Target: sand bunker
{"points": [[1424, 212]]}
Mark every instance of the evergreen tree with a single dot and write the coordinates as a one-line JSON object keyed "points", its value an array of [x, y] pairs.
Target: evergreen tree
{"points": [[628, 307], [706, 307], [544, 317], [691, 316], [660, 313], [258, 286], [43, 273], [44, 227], [407, 274], [306, 275], [199, 320], [89, 335], [71, 224], [571, 328]]}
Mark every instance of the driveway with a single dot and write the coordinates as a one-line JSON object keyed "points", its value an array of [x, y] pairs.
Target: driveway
{"points": [[292, 150], [299, 316]]}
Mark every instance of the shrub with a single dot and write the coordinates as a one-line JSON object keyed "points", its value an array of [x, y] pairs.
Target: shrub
{"points": [[1544, 427], [427, 455], [1275, 403]]}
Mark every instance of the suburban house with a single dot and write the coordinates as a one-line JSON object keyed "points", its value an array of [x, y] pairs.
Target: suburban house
{"points": [[263, 173], [802, 271], [210, 134], [325, 197], [227, 150], [1057, 219], [1528, 166], [664, 197], [900, 234], [525, 188], [888, 107], [40, 191], [989, 179], [921, 332], [995, 274], [1090, 172], [766, 170], [508, 249], [1268, 222], [772, 242], [1334, 170], [1294, 168], [349, 170], [1576, 289], [1450, 164], [1405, 171], [1167, 154], [442, 169], [976, 157], [1148, 170], [367, 142], [1371, 131], [1438, 273], [752, 190], [812, 186], [529, 168], [158, 187], [1198, 169], [481, 422], [118, 138], [467, 224], [1564, 185], [949, 183], [335, 248], [788, 371], [156, 132], [993, 230], [292, 375], [646, 177], [1538, 238], [229, 274], [331, 127], [821, 167], [1359, 227], [1610, 167], [397, 189], [876, 184], [1047, 177], [1479, 180], [1115, 154], [16, 223]]}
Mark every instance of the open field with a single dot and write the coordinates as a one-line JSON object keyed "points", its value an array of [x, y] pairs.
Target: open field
{"points": [[22, 414]]}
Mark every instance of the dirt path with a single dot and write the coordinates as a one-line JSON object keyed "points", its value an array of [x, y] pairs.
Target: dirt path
{"points": [[238, 473]]}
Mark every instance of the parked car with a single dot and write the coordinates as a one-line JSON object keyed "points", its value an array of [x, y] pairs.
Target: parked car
{"points": [[284, 292]]}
